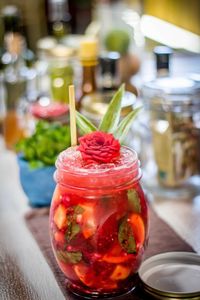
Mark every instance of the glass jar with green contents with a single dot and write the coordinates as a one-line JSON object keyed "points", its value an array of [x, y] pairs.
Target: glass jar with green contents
{"points": [[61, 72], [174, 107]]}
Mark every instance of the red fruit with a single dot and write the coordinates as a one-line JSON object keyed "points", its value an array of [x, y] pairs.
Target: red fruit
{"points": [[67, 270], [116, 255], [84, 274], [107, 234], [59, 237]]}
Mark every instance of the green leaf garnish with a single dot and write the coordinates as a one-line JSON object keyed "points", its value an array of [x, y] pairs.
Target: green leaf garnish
{"points": [[126, 238], [72, 230], [123, 128], [69, 257], [134, 201], [72, 227], [111, 118], [84, 124]]}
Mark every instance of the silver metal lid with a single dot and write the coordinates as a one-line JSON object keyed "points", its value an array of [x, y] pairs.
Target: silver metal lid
{"points": [[169, 92], [173, 85], [172, 275]]}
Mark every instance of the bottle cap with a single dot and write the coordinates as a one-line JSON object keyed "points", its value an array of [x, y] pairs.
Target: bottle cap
{"points": [[11, 18], [108, 62], [162, 54], [109, 69], [88, 50]]}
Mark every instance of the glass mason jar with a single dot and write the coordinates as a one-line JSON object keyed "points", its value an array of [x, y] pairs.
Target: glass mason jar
{"points": [[98, 223], [61, 72], [173, 105]]}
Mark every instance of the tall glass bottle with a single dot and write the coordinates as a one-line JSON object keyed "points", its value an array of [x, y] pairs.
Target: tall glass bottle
{"points": [[59, 18], [89, 59], [95, 105], [2, 98], [14, 75], [109, 71]]}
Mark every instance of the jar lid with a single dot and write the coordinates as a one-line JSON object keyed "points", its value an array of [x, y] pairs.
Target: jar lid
{"points": [[172, 85], [61, 51], [95, 107], [172, 91], [171, 275]]}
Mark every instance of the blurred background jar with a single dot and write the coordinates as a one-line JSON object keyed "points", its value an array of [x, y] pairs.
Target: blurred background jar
{"points": [[50, 111], [173, 104], [61, 72]]}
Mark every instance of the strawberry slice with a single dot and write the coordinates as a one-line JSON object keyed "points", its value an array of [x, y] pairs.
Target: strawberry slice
{"points": [[107, 233], [60, 216], [59, 237]]}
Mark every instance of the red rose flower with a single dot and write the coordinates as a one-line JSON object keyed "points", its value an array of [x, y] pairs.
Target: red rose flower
{"points": [[99, 147]]}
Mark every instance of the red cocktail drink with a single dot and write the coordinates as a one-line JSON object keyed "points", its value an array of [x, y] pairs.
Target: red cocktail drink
{"points": [[98, 223]]}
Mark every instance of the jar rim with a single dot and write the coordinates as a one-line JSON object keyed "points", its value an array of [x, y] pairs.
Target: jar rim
{"points": [[172, 86], [98, 176], [99, 169]]}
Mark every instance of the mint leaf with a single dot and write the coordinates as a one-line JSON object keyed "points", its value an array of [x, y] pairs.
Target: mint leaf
{"points": [[111, 118], [78, 209], [126, 238], [122, 130], [72, 230], [84, 124], [134, 201], [69, 257], [72, 227]]}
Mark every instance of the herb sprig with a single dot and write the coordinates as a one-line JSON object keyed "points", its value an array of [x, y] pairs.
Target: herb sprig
{"points": [[43, 147]]}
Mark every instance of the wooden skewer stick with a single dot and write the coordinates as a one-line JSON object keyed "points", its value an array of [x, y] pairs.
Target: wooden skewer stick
{"points": [[72, 108]]}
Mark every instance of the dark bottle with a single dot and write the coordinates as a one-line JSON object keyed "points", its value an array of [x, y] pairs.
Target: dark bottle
{"points": [[59, 18], [163, 55], [109, 71], [11, 19], [95, 104]]}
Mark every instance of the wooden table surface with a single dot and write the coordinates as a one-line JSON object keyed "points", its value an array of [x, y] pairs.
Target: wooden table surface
{"points": [[24, 273]]}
